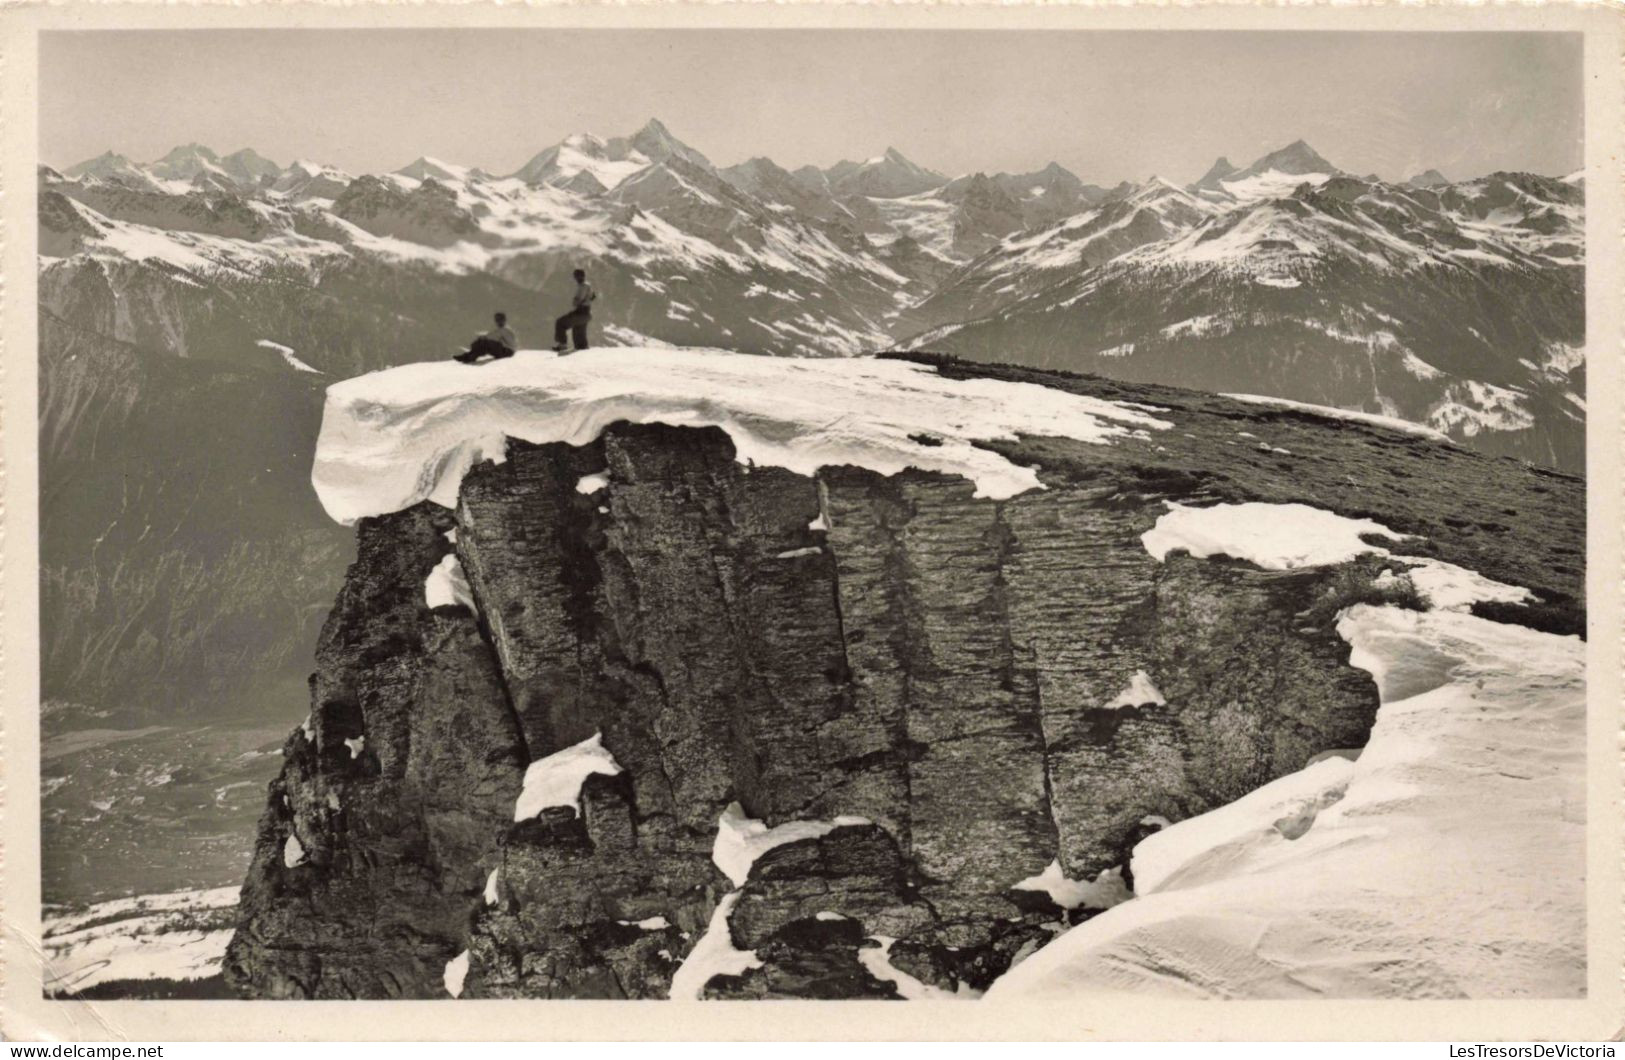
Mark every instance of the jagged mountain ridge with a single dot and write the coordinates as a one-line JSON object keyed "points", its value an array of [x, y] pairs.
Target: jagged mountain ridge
{"points": [[1346, 293], [308, 267], [894, 251]]}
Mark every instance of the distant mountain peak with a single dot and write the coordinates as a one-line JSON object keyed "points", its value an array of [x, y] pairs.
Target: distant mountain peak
{"points": [[1222, 167], [657, 142], [1296, 157], [427, 168], [1156, 186], [885, 176], [106, 163], [190, 162], [310, 168], [1427, 179], [897, 158], [191, 150]]}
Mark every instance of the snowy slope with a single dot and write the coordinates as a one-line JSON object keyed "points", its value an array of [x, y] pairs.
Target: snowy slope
{"points": [[1018, 266], [1276, 174], [583, 153], [167, 936], [671, 257], [1445, 861]]}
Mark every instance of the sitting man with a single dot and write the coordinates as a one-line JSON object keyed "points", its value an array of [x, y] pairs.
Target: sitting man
{"points": [[580, 314], [499, 342]]}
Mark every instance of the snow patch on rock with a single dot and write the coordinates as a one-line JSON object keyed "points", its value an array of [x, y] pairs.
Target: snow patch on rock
{"points": [[877, 959], [1273, 536], [653, 923], [1288, 536], [287, 355], [713, 955], [1448, 587], [1103, 892], [741, 839], [1391, 422], [1139, 692], [456, 972], [447, 585]]}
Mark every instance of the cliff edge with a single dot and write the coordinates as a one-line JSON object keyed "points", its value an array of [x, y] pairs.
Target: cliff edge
{"points": [[693, 674]]}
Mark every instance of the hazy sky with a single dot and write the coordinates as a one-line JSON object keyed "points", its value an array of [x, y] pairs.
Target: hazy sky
{"points": [[1107, 105]]}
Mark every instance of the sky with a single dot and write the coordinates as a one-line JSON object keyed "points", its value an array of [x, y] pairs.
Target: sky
{"points": [[1107, 105]]}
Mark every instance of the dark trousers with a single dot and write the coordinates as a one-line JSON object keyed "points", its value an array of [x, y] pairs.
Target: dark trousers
{"points": [[485, 346], [574, 322]]}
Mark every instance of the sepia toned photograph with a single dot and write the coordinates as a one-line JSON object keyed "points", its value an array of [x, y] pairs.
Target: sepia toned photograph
{"points": [[788, 513]]}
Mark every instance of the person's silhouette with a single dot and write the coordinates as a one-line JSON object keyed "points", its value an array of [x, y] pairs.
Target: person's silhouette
{"points": [[580, 314], [497, 343]]}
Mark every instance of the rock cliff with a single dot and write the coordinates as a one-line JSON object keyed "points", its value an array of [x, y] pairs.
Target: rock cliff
{"points": [[858, 735]]}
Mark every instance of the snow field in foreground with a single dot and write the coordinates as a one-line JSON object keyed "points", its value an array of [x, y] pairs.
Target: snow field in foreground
{"points": [[145, 937], [392, 438], [1447, 861]]}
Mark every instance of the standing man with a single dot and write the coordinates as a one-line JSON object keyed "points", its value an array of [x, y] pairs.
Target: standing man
{"points": [[580, 314]]}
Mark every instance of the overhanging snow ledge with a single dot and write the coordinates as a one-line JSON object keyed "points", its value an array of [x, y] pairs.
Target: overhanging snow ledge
{"points": [[393, 438]]}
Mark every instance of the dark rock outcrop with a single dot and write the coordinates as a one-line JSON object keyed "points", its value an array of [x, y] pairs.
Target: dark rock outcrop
{"points": [[929, 667]]}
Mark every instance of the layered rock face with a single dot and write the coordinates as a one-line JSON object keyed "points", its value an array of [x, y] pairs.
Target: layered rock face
{"points": [[960, 691]]}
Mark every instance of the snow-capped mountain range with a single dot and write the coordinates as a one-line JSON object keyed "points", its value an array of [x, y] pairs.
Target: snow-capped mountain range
{"points": [[1460, 306], [194, 310], [1394, 298]]}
